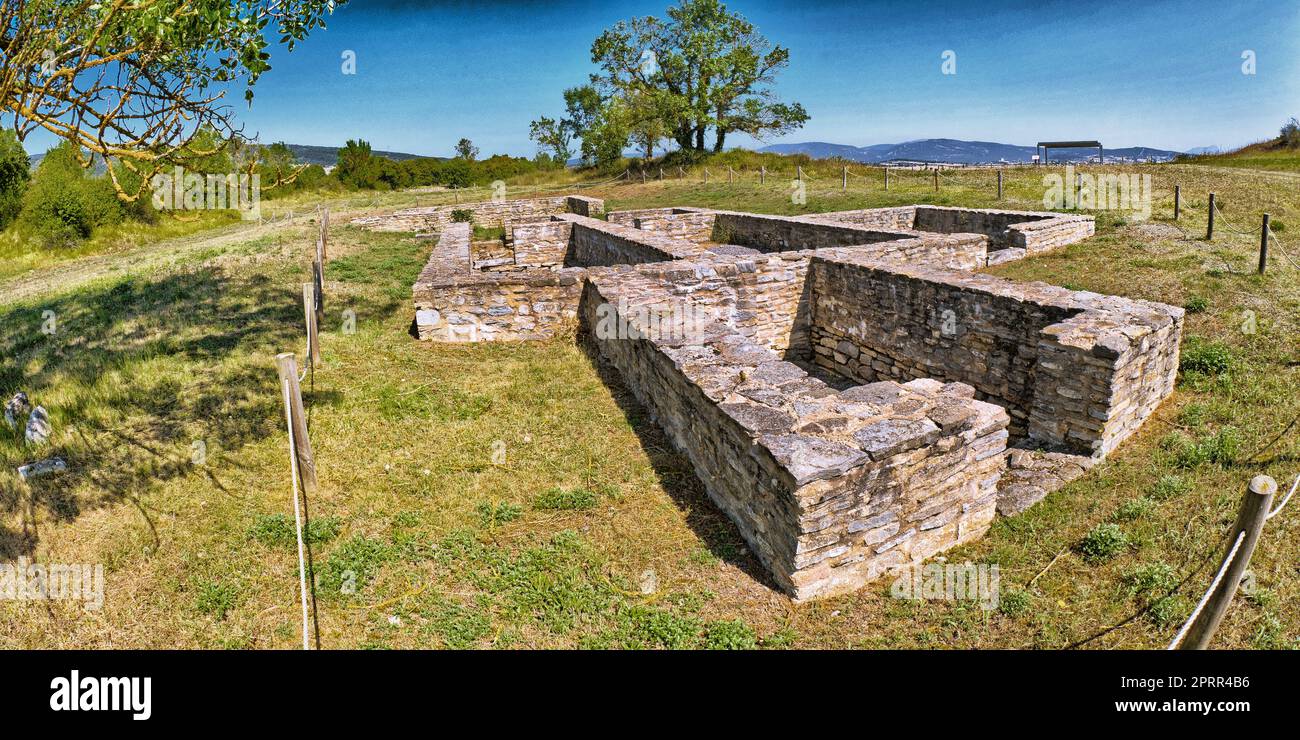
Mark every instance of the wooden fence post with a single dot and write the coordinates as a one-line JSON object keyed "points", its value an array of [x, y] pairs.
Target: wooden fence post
{"points": [[886, 177], [1263, 245], [1250, 521], [706, 175], [309, 315], [1178, 200], [661, 173], [799, 173], [288, 369], [731, 176], [936, 179], [681, 173], [999, 184], [318, 276], [844, 178], [325, 233], [1209, 226], [762, 175]]}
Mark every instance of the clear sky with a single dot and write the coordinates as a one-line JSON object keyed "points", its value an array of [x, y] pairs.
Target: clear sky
{"points": [[1149, 73]]}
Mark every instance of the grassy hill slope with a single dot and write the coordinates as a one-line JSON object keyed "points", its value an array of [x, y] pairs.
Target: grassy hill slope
{"points": [[1264, 155]]}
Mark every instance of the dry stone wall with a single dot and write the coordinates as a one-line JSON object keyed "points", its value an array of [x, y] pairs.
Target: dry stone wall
{"points": [[1075, 370], [488, 214], [714, 320], [829, 489], [455, 303]]}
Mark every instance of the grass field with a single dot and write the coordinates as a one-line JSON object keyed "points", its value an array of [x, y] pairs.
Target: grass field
{"points": [[1265, 155], [592, 532]]}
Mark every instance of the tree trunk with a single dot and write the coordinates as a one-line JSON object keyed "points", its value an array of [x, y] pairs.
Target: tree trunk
{"points": [[722, 137], [699, 138]]}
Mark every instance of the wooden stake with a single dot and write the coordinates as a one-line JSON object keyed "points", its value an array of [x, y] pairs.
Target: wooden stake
{"points": [[288, 369], [999, 184], [1263, 245], [1178, 198], [844, 178], [1250, 521], [318, 277], [1209, 225], [309, 314], [886, 177], [325, 233], [762, 175]]}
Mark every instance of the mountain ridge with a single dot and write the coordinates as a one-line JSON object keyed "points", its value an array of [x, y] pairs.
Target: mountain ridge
{"points": [[958, 151]]}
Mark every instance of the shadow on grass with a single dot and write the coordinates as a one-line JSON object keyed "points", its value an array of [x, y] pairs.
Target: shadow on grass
{"points": [[134, 375], [719, 533]]}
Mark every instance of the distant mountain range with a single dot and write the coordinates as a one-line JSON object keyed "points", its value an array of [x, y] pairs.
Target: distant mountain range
{"points": [[325, 156], [328, 156], [956, 151]]}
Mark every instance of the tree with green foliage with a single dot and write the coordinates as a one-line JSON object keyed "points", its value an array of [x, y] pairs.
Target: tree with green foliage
{"points": [[598, 121], [554, 137], [466, 150], [704, 68], [276, 164], [15, 173], [1290, 135], [135, 82], [357, 167]]}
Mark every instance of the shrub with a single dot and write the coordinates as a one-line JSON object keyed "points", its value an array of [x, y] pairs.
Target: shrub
{"points": [[462, 216], [1014, 603], [1208, 358], [1196, 304], [492, 514], [565, 498], [1170, 486], [731, 634], [63, 203], [1290, 133], [1102, 543], [1167, 611], [215, 599], [14, 176], [1150, 580], [1133, 509]]}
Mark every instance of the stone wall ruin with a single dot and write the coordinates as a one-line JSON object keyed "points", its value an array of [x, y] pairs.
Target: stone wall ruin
{"points": [[848, 389]]}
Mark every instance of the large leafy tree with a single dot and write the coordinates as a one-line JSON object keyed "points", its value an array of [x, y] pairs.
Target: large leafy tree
{"points": [[357, 166], [137, 81], [466, 150], [553, 137], [703, 68]]}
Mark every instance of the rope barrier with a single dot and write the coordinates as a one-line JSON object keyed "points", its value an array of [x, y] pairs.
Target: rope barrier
{"points": [[1280, 506], [1231, 227], [1232, 555], [1282, 248]]}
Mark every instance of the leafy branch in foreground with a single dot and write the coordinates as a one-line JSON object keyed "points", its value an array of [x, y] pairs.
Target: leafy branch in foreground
{"points": [[137, 82]]}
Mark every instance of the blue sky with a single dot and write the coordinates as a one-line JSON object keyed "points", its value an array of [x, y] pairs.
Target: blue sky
{"points": [[1161, 74]]}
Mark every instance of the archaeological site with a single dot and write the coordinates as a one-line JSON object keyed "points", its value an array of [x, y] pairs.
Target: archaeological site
{"points": [[849, 388]]}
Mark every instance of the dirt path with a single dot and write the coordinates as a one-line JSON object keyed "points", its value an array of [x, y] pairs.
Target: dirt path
{"points": [[145, 258]]}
